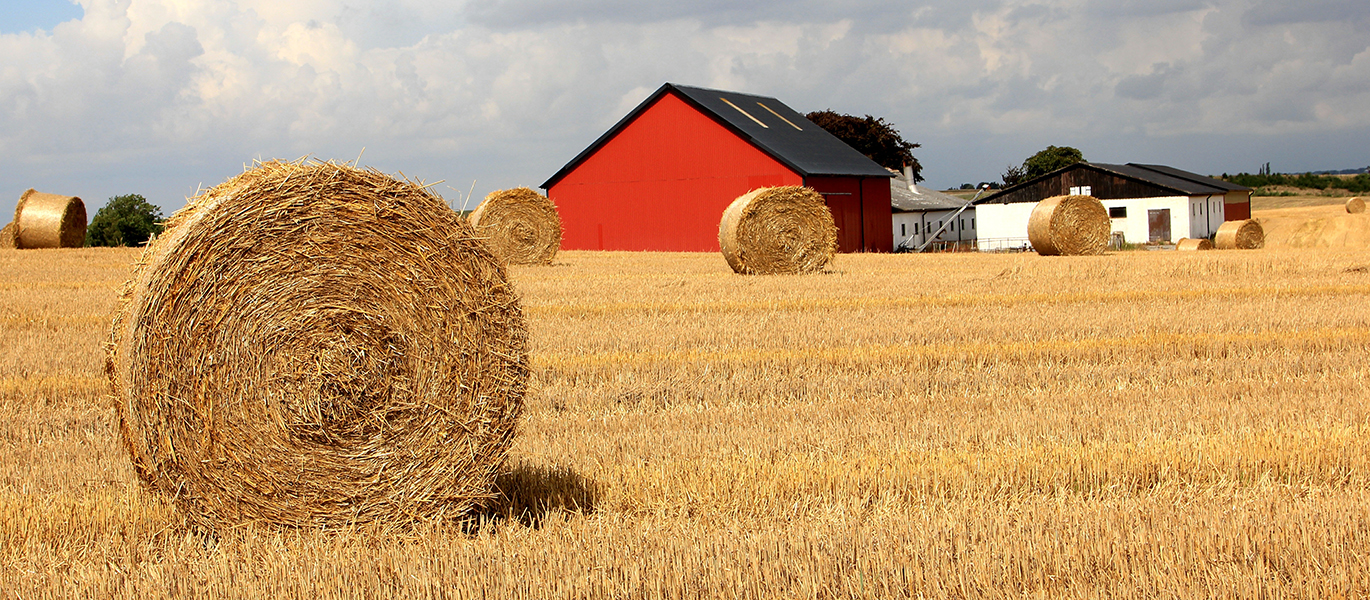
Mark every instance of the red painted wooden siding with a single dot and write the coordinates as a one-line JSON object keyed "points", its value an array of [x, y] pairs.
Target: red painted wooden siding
{"points": [[1237, 211], [861, 210], [662, 183]]}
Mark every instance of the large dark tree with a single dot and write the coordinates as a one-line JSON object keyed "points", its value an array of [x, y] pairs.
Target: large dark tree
{"points": [[124, 221], [1041, 163], [871, 136]]}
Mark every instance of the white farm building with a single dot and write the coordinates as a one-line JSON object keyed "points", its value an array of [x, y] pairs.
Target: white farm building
{"points": [[1146, 203], [919, 213]]}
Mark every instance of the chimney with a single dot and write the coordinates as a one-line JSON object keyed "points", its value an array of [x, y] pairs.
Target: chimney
{"points": [[908, 176]]}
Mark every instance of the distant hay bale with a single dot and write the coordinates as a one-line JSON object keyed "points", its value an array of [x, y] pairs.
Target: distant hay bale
{"points": [[1240, 235], [777, 230], [316, 345], [7, 235], [1069, 226], [49, 221], [1355, 206], [1191, 244], [521, 226]]}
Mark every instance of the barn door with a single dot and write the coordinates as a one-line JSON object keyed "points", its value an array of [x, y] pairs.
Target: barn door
{"points": [[843, 196], [1158, 225]]}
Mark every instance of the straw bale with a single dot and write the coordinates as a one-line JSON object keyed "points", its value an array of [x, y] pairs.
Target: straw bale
{"points": [[778, 230], [316, 345], [1355, 206], [1241, 235], [1069, 226], [7, 236], [49, 221], [1190, 244], [521, 226]]}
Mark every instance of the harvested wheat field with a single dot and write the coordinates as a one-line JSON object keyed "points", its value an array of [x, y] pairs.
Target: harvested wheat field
{"points": [[1133, 425], [1320, 226]]}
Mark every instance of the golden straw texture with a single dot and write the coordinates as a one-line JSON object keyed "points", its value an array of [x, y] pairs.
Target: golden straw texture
{"points": [[778, 230], [1188, 244], [1246, 234], [7, 236], [316, 345], [1069, 226], [49, 221], [1355, 206], [522, 227]]}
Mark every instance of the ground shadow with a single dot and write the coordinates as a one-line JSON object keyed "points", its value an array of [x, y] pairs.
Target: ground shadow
{"points": [[527, 494]]}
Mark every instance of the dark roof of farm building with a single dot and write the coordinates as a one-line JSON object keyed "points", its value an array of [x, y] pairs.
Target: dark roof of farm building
{"points": [[1170, 179], [765, 122], [903, 199]]}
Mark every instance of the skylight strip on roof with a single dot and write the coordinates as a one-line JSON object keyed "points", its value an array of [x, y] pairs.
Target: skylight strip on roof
{"points": [[749, 115], [768, 109]]}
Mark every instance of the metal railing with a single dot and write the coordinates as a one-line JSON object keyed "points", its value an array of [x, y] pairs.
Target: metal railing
{"points": [[1004, 244]]}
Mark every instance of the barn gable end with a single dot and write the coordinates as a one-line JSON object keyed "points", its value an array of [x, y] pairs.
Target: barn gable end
{"points": [[661, 178]]}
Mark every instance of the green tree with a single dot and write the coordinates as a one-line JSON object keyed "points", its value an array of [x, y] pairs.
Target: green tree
{"points": [[1046, 161], [871, 136], [124, 221], [1041, 163], [1013, 175]]}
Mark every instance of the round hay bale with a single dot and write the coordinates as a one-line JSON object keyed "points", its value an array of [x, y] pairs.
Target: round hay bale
{"points": [[7, 235], [1069, 226], [1241, 235], [316, 345], [1355, 206], [777, 230], [49, 221], [521, 226], [1191, 244]]}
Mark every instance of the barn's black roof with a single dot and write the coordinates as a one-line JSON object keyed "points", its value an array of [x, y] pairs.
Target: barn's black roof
{"points": [[766, 123], [1167, 179]]}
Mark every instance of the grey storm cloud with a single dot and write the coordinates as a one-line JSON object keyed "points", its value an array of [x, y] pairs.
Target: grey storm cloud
{"points": [[159, 97], [1279, 12]]}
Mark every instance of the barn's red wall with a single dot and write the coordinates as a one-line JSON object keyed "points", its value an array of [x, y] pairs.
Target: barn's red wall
{"points": [[662, 183], [1237, 211], [861, 210], [875, 206], [843, 195]]}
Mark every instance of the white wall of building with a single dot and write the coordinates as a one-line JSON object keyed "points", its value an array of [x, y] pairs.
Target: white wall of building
{"points": [[1136, 225], [911, 229], [1004, 226], [1206, 215]]}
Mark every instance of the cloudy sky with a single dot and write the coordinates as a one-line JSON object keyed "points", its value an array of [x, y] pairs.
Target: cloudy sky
{"points": [[160, 97]]}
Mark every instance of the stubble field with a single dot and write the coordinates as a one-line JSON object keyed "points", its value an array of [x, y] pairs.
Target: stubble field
{"points": [[1137, 425]]}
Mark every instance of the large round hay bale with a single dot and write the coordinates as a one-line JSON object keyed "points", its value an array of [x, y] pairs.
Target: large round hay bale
{"points": [[778, 230], [1355, 206], [521, 226], [7, 236], [1069, 226], [1192, 244], [318, 345], [49, 221], [1241, 235]]}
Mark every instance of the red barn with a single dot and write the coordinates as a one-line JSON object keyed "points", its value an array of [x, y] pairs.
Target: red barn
{"points": [[661, 178]]}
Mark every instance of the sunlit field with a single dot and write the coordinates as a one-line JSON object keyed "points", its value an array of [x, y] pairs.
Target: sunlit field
{"points": [[1134, 425]]}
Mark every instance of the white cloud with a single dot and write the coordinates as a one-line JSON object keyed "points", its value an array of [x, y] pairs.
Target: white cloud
{"points": [[157, 96]]}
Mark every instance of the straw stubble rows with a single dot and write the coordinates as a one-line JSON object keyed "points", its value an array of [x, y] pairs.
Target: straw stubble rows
{"points": [[953, 425]]}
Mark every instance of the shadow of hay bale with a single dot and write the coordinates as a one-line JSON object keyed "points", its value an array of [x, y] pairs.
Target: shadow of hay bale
{"points": [[528, 494]]}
